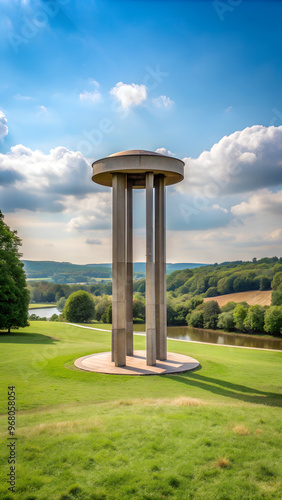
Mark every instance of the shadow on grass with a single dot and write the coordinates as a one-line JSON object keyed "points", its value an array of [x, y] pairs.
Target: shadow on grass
{"points": [[228, 389], [25, 338]]}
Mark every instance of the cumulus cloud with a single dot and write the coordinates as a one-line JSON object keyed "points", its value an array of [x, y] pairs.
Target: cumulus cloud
{"points": [[263, 201], [243, 161], [3, 126], [129, 94], [163, 101], [164, 151], [36, 181], [95, 212]]}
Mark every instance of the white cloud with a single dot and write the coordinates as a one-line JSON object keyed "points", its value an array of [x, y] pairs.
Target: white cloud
{"points": [[163, 101], [129, 94], [243, 161], [93, 96], [228, 109], [263, 201], [3, 126], [36, 181], [164, 151], [96, 212]]}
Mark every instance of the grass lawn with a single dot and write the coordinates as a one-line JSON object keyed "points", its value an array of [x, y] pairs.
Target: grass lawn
{"points": [[37, 306], [214, 433]]}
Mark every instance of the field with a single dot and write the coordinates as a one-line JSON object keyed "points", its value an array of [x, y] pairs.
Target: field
{"points": [[214, 433], [41, 305], [254, 297]]}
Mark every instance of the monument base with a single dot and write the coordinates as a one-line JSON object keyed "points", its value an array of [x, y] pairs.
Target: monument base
{"points": [[136, 364]]}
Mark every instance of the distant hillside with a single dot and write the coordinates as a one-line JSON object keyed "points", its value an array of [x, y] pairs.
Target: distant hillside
{"points": [[262, 298], [65, 272], [227, 278]]}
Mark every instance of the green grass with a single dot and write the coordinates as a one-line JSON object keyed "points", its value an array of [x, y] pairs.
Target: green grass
{"points": [[41, 305], [214, 433]]}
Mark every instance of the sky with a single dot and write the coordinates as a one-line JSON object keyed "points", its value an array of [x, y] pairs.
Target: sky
{"points": [[198, 80]]}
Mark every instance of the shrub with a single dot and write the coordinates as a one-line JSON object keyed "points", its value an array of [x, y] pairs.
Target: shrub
{"points": [[79, 307], [54, 317]]}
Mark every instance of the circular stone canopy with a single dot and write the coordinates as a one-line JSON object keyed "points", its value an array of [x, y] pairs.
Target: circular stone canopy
{"points": [[136, 163]]}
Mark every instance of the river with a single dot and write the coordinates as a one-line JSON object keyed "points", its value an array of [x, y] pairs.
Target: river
{"points": [[195, 334]]}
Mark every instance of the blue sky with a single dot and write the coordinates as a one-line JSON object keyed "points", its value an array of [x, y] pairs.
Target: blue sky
{"points": [[89, 78]]}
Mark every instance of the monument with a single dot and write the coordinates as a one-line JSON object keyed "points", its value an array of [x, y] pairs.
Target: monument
{"points": [[125, 171]]}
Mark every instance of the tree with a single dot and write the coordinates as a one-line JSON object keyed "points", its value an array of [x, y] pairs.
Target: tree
{"points": [[264, 283], [276, 297], [226, 321], [79, 307], [14, 295], [277, 281], [210, 314], [255, 318], [273, 320], [239, 315], [195, 318]]}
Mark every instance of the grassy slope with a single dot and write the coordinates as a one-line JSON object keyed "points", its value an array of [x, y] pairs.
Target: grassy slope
{"points": [[253, 297], [118, 437]]}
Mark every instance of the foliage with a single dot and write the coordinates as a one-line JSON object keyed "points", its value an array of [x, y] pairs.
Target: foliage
{"points": [[195, 318], [239, 316], [65, 272], [54, 317], [34, 317], [61, 303], [79, 307], [210, 314], [228, 277], [273, 320], [14, 295], [226, 321], [265, 283], [102, 304], [230, 306], [138, 308], [254, 320], [276, 297], [45, 291], [277, 281]]}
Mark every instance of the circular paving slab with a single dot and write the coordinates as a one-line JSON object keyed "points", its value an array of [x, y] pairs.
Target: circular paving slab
{"points": [[136, 364]]}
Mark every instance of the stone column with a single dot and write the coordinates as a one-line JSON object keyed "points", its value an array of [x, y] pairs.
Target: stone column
{"points": [[129, 285], [160, 268], [150, 274], [119, 270]]}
